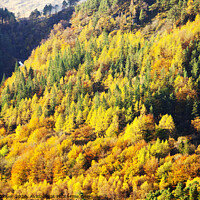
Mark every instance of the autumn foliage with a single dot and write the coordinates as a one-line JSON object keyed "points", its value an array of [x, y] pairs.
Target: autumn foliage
{"points": [[107, 108]]}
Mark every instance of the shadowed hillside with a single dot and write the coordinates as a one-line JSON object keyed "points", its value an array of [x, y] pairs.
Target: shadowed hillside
{"points": [[18, 39]]}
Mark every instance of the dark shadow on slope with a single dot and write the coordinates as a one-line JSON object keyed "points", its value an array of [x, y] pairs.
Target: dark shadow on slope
{"points": [[18, 39]]}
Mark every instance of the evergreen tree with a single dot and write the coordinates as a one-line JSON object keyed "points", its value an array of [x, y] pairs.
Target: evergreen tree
{"points": [[195, 109], [178, 192], [3, 79], [16, 67], [104, 6], [105, 39], [193, 193]]}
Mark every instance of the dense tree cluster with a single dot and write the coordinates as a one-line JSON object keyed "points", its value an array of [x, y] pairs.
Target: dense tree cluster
{"points": [[106, 110]]}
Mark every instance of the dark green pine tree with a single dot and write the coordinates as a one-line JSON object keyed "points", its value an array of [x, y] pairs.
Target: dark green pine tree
{"points": [[151, 109], [25, 72], [22, 81], [104, 6], [56, 61], [193, 193], [93, 4], [52, 78], [185, 75], [77, 88], [42, 82], [105, 39], [4, 99], [194, 64], [127, 66], [178, 192], [67, 108], [152, 195], [50, 66], [104, 103], [88, 63], [180, 4], [31, 72], [183, 11], [77, 55], [186, 149], [121, 60], [79, 103], [69, 88], [52, 102], [68, 59], [16, 67], [39, 111], [36, 85], [137, 89], [117, 96], [195, 109], [166, 195], [95, 19], [61, 68], [3, 79], [29, 86]]}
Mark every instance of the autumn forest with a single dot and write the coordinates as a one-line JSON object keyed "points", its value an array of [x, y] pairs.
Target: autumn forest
{"points": [[108, 106]]}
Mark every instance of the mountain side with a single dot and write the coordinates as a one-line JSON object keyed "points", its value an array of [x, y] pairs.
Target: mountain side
{"points": [[19, 38], [109, 107]]}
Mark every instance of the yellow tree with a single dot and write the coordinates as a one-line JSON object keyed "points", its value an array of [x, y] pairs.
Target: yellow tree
{"points": [[59, 122], [139, 128], [69, 123], [190, 7], [58, 170], [167, 122], [103, 187], [114, 127], [19, 173]]}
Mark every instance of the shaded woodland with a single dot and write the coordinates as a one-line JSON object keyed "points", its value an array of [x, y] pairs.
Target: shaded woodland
{"points": [[19, 37]]}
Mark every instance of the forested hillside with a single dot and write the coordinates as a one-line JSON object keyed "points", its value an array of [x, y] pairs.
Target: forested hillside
{"points": [[19, 37], [109, 107]]}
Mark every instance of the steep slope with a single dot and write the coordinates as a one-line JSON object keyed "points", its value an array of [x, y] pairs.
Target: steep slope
{"points": [[108, 108], [19, 38]]}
